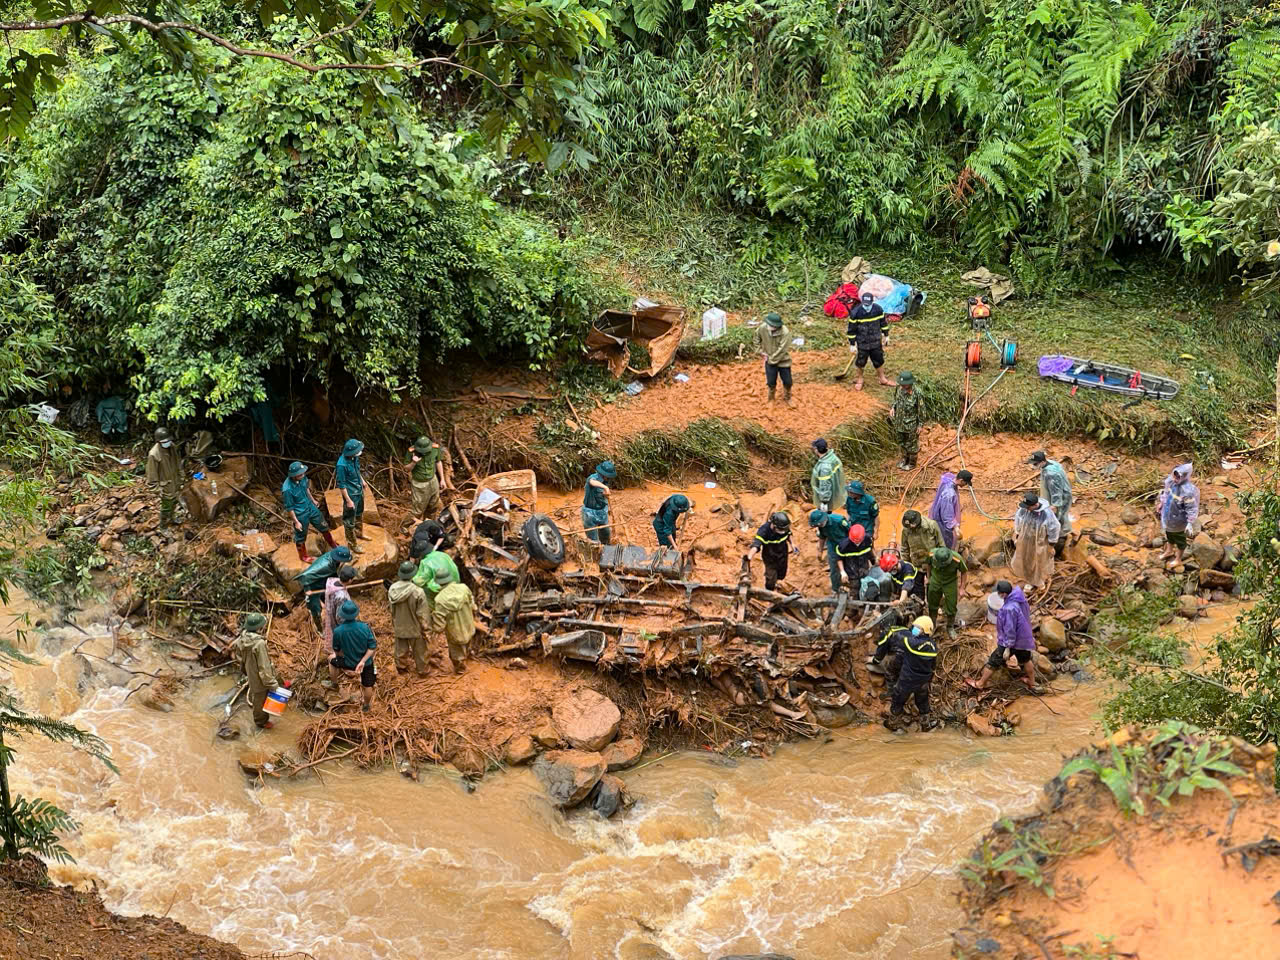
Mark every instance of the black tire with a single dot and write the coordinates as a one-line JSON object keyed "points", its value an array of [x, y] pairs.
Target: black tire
{"points": [[543, 540]]}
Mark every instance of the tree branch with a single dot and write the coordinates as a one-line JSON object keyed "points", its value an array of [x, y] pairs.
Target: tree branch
{"points": [[20, 26], [337, 31]]}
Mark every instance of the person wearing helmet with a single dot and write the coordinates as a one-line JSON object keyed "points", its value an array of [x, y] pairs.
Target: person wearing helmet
{"points": [[832, 529], [250, 649], [595, 503], [426, 477], [920, 536], [868, 334], [886, 659], [410, 620], [1013, 635], [861, 507], [335, 595], [353, 646], [947, 505], [919, 657], [907, 414], [1035, 531], [347, 478], [302, 508], [854, 553], [453, 615], [946, 582], [164, 473], [906, 579], [1055, 488], [827, 478], [313, 579], [774, 545], [773, 340], [664, 521]]}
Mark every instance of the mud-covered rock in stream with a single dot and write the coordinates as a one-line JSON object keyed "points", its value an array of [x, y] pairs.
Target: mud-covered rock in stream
{"points": [[587, 720], [607, 795], [1188, 606], [834, 717], [622, 753], [1205, 551], [520, 749], [569, 775], [1053, 634]]}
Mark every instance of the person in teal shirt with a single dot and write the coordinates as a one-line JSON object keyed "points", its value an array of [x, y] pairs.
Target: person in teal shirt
{"points": [[832, 530], [595, 503], [312, 580], [861, 508], [347, 478], [353, 646], [664, 521], [301, 507]]}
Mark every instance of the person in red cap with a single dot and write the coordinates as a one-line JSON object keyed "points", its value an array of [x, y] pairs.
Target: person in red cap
{"points": [[904, 575], [854, 554]]}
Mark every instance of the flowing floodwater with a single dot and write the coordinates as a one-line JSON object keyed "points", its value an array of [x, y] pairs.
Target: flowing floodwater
{"points": [[844, 849]]}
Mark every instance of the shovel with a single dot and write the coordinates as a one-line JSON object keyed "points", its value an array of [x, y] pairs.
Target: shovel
{"points": [[847, 367]]}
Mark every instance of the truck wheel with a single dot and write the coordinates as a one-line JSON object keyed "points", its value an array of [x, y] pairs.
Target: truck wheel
{"points": [[543, 540]]}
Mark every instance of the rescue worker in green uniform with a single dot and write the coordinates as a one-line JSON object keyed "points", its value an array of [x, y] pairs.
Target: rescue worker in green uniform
{"points": [[164, 473], [353, 646], [426, 477], [664, 521], [773, 340], [410, 620], [250, 649], [347, 478], [832, 530], [595, 503], [313, 580], [919, 538], [946, 582], [907, 415], [827, 479], [861, 507], [301, 506]]}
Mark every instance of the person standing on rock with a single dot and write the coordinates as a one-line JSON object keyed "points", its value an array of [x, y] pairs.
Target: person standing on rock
{"points": [[1178, 509], [1013, 635], [861, 507], [774, 545], [301, 506], [827, 479], [868, 335], [353, 646], [906, 415], [946, 582], [1056, 489], [335, 595], [854, 553], [347, 478], [919, 657], [250, 650], [919, 538], [313, 579], [410, 620], [453, 615], [426, 478], [773, 340], [905, 577], [1035, 531], [664, 521], [832, 531], [595, 503], [164, 473], [947, 506]]}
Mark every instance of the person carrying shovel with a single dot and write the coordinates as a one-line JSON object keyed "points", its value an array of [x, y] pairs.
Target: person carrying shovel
{"points": [[595, 503]]}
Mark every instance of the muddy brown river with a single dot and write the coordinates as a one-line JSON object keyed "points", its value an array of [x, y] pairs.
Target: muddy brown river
{"points": [[842, 849]]}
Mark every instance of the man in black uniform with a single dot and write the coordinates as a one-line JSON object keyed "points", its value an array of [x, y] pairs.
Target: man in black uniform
{"points": [[919, 656], [868, 332], [773, 543]]}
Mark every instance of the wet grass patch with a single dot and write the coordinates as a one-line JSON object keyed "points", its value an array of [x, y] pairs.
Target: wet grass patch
{"points": [[710, 445]]}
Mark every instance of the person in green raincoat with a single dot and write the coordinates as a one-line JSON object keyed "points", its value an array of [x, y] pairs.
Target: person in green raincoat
{"points": [[861, 507], [347, 478], [164, 473], [430, 570], [827, 479], [595, 503], [302, 509], [250, 649], [453, 614], [664, 521], [832, 530], [1055, 488]]}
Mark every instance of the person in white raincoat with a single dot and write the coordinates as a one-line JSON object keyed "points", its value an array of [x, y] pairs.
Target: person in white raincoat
{"points": [[1035, 531]]}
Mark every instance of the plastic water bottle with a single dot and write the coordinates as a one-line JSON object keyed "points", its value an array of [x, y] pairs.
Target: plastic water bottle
{"points": [[214, 484], [277, 700], [713, 323]]}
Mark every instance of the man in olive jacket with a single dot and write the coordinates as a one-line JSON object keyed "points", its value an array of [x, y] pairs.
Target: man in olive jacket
{"points": [[410, 619], [250, 648]]}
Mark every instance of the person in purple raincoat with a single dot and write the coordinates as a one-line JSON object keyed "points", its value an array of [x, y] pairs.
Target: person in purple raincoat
{"points": [[947, 508], [1178, 507], [1013, 635]]}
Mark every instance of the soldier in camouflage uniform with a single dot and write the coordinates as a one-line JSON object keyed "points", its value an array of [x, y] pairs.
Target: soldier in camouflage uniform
{"points": [[906, 415]]}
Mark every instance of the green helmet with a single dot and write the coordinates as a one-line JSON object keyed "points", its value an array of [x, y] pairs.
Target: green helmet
{"points": [[162, 434], [348, 611], [443, 576], [352, 448], [607, 470], [408, 569], [254, 622], [906, 379], [422, 445], [296, 469], [680, 502], [817, 518], [940, 554], [773, 320]]}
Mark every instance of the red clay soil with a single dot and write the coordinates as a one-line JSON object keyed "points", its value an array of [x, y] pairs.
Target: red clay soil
{"points": [[58, 923], [1170, 885]]}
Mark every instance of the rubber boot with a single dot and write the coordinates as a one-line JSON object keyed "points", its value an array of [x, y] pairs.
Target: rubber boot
{"points": [[352, 544], [302, 553], [773, 394], [786, 397], [360, 530], [328, 538]]}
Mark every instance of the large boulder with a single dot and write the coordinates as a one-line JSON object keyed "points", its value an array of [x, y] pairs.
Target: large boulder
{"points": [[229, 543], [587, 720], [756, 507], [333, 497], [1188, 606], [985, 549], [380, 559], [1053, 634], [716, 544], [622, 753], [569, 775], [210, 496], [969, 612], [1205, 551], [834, 717]]}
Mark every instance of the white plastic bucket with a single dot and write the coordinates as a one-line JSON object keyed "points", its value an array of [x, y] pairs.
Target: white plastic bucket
{"points": [[994, 603]]}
